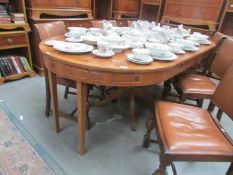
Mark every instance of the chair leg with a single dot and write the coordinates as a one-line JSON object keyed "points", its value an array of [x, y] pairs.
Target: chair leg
{"points": [[48, 97], [167, 89], [66, 92], [230, 170], [219, 114], [211, 107], [162, 167], [149, 127], [199, 102]]}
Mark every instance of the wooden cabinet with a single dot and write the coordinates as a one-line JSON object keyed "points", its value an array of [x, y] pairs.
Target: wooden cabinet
{"points": [[59, 4], [204, 13], [72, 12], [151, 10], [226, 25], [126, 9], [14, 41]]}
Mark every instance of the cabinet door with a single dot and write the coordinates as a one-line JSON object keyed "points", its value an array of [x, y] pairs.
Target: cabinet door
{"points": [[190, 11], [127, 6]]}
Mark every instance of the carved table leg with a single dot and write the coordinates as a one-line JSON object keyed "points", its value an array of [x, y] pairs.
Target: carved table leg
{"points": [[132, 109], [149, 126], [82, 114]]}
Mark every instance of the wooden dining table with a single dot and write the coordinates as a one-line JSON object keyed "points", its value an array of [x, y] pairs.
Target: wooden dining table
{"points": [[115, 71]]}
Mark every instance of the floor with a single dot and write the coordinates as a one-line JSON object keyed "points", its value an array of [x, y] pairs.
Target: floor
{"points": [[112, 148]]}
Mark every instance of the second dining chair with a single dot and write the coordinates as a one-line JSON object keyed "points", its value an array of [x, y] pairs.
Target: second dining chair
{"points": [[188, 133], [44, 31]]}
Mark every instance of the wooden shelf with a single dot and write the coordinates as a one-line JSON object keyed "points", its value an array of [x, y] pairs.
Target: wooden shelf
{"points": [[14, 41], [12, 26], [17, 76]]}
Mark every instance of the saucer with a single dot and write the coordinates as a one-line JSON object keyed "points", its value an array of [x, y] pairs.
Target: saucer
{"points": [[191, 49], [51, 43], [103, 55], [179, 52], [165, 57], [205, 42], [131, 58], [74, 40], [73, 47]]}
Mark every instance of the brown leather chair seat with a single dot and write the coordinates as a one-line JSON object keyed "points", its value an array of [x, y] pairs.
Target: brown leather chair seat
{"points": [[190, 130], [197, 84]]}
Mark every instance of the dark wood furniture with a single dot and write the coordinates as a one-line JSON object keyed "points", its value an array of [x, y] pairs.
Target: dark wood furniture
{"points": [[87, 69], [72, 12], [151, 10], [226, 25], [14, 40], [199, 13], [187, 133], [126, 9]]}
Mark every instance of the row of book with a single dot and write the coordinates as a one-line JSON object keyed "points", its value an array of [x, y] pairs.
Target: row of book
{"points": [[8, 16], [12, 64]]}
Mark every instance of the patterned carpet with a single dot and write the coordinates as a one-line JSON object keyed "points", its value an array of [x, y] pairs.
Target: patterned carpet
{"points": [[20, 153]]}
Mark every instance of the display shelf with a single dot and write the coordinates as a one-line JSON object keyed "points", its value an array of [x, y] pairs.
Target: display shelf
{"points": [[14, 39], [17, 76]]}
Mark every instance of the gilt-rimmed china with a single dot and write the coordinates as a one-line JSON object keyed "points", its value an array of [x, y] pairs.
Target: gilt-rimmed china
{"points": [[73, 47]]}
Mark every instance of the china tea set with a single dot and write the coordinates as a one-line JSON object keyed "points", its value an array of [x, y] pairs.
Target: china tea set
{"points": [[148, 41]]}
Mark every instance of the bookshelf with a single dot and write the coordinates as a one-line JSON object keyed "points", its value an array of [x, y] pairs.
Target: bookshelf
{"points": [[226, 24], [14, 40]]}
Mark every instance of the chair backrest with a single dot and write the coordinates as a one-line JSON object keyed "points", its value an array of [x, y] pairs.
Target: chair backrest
{"points": [[223, 58], [50, 29], [223, 96], [99, 23], [217, 37]]}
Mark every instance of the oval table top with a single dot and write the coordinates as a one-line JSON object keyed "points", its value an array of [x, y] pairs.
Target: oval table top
{"points": [[117, 71]]}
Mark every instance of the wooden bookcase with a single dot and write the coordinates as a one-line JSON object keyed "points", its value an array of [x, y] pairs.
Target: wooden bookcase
{"points": [[15, 41], [151, 10], [72, 12], [226, 25], [200, 13]]}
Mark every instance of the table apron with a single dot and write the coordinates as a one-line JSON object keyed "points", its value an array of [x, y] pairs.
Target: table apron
{"points": [[118, 79]]}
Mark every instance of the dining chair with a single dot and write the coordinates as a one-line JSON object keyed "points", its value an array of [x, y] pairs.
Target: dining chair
{"points": [[44, 31], [198, 85], [189, 133]]}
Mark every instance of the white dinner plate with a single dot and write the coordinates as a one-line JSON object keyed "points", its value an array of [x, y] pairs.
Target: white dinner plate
{"points": [[103, 55], [168, 57], [73, 47], [131, 58]]}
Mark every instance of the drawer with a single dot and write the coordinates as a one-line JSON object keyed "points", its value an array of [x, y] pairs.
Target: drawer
{"points": [[188, 12], [127, 6], [13, 39], [151, 1], [61, 3], [230, 5]]}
